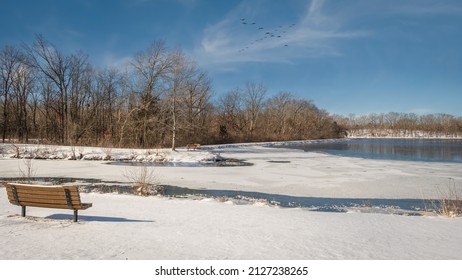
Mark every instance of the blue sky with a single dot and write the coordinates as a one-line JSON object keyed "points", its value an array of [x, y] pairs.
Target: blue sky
{"points": [[348, 56]]}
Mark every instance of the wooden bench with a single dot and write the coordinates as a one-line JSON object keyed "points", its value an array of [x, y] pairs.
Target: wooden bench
{"points": [[61, 197]]}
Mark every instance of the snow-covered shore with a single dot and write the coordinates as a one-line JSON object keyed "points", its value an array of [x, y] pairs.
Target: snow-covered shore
{"points": [[129, 227], [132, 227]]}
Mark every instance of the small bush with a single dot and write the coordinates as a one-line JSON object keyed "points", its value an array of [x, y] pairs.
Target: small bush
{"points": [[143, 179], [28, 171], [449, 203]]}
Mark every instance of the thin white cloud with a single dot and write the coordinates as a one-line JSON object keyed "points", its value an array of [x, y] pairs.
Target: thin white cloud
{"points": [[234, 40], [316, 33]]}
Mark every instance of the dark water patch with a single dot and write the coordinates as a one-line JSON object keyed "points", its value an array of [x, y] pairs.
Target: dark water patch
{"points": [[427, 150], [279, 161], [221, 163], [311, 203], [339, 205]]}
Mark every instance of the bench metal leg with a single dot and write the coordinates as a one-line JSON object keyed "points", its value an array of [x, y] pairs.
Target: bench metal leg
{"points": [[23, 211], [75, 215]]}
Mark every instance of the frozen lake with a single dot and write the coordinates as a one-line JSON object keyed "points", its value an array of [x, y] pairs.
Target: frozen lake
{"points": [[428, 150]]}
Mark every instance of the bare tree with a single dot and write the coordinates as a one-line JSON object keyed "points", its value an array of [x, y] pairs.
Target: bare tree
{"points": [[150, 69], [109, 100], [198, 107], [61, 72], [254, 95], [181, 72], [10, 62], [277, 114], [231, 111], [23, 86], [188, 95]]}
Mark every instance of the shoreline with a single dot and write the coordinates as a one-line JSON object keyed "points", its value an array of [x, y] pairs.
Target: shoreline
{"points": [[281, 171]]}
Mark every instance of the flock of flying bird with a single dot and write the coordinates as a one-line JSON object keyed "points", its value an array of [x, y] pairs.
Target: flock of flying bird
{"points": [[264, 34]]}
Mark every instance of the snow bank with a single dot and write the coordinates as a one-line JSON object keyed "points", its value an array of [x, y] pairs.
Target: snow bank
{"points": [[129, 227], [51, 152]]}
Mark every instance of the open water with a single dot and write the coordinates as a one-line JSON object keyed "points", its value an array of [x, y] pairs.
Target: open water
{"points": [[428, 150]]}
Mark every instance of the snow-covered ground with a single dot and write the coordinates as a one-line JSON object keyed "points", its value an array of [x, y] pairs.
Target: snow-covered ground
{"points": [[120, 226]]}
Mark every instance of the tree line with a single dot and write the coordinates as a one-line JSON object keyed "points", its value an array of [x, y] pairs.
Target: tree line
{"points": [[160, 98], [403, 124]]}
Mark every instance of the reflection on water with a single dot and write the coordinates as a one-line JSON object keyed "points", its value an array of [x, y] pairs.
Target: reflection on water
{"points": [[429, 150]]}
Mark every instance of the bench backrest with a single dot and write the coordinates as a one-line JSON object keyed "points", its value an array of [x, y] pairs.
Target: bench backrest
{"points": [[63, 197]]}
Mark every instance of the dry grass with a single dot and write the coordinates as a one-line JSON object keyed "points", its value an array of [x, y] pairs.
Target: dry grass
{"points": [[449, 203], [28, 170], [107, 151], [143, 179]]}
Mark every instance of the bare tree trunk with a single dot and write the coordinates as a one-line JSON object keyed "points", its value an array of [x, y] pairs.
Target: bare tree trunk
{"points": [[254, 96], [174, 122]]}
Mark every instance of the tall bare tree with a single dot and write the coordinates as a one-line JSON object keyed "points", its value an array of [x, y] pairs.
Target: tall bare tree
{"points": [[150, 70], [10, 63], [188, 95], [277, 114], [23, 86], [178, 76], [254, 96], [231, 112], [198, 107], [61, 71]]}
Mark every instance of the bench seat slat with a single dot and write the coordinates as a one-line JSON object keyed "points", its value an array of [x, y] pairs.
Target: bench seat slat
{"points": [[25, 200], [58, 193], [49, 190], [46, 205], [44, 196], [42, 193], [53, 205]]}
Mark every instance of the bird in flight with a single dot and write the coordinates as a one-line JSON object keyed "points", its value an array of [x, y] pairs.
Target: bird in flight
{"points": [[277, 32]]}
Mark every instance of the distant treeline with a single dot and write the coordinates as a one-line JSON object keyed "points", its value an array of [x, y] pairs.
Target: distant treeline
{"points": [[159, 98], [402, 125]]}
